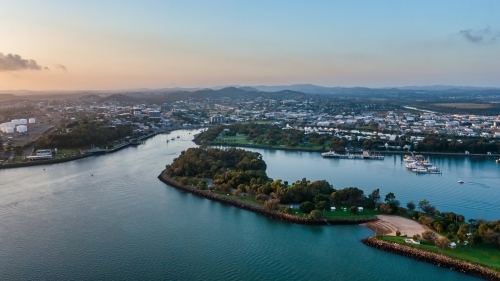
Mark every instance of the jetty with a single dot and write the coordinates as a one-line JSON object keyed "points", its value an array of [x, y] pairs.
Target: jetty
{"points": [[366, 155]]}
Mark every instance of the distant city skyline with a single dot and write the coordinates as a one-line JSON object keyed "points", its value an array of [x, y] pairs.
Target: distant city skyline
{"points": [[115, 45]]}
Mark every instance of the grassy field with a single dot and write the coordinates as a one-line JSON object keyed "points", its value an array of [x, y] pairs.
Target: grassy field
{"points": [[339, 214], [484, 254], [464, 105], [63, 153]]}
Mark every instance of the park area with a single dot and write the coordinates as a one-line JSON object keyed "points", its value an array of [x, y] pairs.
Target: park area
{"points": [[481, 254]]}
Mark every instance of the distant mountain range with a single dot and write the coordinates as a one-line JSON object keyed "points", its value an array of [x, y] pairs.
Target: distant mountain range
{"points": [[283, 91]]}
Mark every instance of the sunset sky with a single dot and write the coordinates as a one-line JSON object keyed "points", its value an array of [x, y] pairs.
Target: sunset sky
{"points": [[111, 45]]}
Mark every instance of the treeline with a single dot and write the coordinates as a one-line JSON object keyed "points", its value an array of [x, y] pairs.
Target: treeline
{"points": [[85, 134], [267, 134], [434, 143]]}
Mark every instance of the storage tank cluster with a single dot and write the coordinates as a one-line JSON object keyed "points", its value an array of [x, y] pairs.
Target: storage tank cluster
{"points": [[19, 125]]}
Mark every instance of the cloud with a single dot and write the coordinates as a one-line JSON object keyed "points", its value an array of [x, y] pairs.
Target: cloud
{"points": [[12, 62], [480, 36], [60, 66]]}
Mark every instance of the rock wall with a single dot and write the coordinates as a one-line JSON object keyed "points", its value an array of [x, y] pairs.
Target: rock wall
{"points": [[437, 259], [256, 208]]}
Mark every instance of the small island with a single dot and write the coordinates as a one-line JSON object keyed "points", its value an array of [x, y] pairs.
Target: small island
{"points": [[237, 177]]}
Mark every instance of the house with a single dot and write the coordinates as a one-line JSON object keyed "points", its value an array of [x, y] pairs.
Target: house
{"points": [[452, 245]]}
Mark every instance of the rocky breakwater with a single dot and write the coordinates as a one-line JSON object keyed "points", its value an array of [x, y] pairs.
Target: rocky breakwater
{"points": [[257, 208], [437, 259]]}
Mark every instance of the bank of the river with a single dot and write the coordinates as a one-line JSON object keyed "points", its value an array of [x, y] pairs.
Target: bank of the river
{"points": [[434, 258], [257, 208], [272, 147], [72, 158]]}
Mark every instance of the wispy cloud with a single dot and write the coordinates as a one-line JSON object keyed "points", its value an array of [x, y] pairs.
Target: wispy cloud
{"points": [[481, 35], [14, 62], [60, 66]]}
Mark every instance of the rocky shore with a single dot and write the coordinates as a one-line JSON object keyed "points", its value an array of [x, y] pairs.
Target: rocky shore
{"points": [[434, 258], [256, 208]]}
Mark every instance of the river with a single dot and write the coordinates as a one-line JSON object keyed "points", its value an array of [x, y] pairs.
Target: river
{"points": [[109, 218]]}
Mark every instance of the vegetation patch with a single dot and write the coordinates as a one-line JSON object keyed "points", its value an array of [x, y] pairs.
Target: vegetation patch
{"points": [[480, 254], [464, 105]]}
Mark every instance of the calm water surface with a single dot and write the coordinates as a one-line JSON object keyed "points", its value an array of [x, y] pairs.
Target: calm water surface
{"points": [[59, 222]]}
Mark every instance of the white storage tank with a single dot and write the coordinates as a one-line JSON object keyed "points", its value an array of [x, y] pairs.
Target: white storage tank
{"points": [[23, 121], [10, 125], [22, 128], [9, 130], [32, 120], [15, 121]]}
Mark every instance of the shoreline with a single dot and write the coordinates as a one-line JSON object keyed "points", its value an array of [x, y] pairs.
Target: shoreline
{"points": [[375, 151], [434, 258], [71, 158], [256, 208]]}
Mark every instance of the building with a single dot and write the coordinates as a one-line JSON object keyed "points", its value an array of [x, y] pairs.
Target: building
{"points": [[218, 118], [154, 114]]}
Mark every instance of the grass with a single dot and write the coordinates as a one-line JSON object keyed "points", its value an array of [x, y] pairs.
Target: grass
{"points": [[339, 214], [464, 105], [63, 153], [484, 254]]}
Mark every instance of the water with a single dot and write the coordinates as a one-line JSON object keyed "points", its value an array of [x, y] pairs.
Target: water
{"points": [[62, 223], [479, 196]]}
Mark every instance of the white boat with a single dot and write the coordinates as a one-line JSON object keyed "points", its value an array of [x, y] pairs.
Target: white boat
{"points": [[433, 169], [421, 170], [460, 181]]}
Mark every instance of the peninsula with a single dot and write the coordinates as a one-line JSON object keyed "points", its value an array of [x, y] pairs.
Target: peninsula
{"points": [[237, 177]]}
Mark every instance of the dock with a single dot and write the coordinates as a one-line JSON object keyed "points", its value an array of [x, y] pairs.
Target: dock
{"points": [[365, 156]]}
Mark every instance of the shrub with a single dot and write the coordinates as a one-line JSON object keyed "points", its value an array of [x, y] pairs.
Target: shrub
{"points": [[315, 215], [353, 209], [429, 235], [261, 197], [306, 207]]}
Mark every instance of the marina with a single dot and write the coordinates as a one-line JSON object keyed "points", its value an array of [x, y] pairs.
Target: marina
{"points": [[418, 164]]}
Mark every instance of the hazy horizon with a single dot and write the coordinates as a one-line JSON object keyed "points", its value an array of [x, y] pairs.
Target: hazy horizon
{"points": [[120, 45]]}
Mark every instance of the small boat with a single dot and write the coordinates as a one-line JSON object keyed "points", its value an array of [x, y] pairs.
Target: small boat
{"points": [[497, 160], [460, 181], [178, 136], [421, 170], [172, 138]]}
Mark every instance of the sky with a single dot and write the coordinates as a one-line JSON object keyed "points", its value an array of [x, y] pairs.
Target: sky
{"points": [[116, 45]]}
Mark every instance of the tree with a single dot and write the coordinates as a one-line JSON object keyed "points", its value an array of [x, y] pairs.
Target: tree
{"points": [[438, 226], [410, 205], [462, 232], [422, 204], [442, 242], [429, 235], [315, 215], [384, 208], [202, 184], [184, 180], [323, 205], [261, 197], [375, 195], [353, 209], [389, 197], [272, 204], [306, 207]]}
